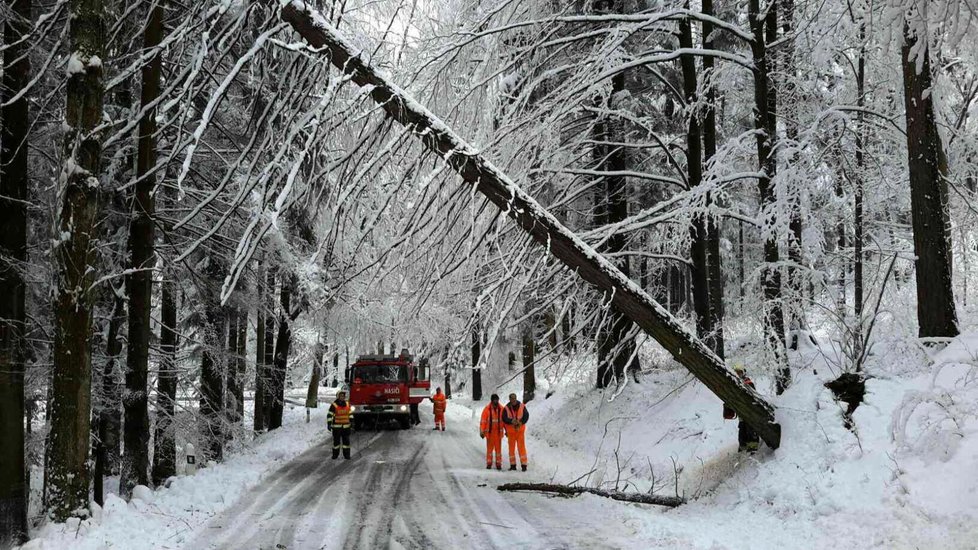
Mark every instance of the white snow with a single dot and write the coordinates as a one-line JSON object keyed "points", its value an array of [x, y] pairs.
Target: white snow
{"points": [[170, 516], [906, 481], [75, 65]]}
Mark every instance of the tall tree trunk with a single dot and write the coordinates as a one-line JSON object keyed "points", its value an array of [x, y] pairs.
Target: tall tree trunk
{"points": [[164, 442], [260, 375], [66, 475], [283, 343], [765, 125], [14, 183], [615, 348], [857, 221], [142, 255], [212, 378], [529, 357], [936, 313], [312, 394], [241, 365], [713, 258], [694, 169], [268, 360], [795, 272], [108, 413], [476, 358], [231, 381], [540, 224]]}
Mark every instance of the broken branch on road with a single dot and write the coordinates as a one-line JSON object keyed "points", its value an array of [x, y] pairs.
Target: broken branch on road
{"points": [[567, 490]]}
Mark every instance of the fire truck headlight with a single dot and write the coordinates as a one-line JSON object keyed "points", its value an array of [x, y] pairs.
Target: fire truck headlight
{"points": [[403, 407], [353, 408]]}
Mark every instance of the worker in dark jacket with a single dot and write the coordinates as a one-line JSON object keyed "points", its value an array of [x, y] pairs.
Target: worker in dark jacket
{"points": [[339, 420], [746, 436], [515, 417]]}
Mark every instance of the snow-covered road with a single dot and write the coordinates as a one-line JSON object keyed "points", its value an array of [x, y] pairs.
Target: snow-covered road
{"points": [[402, 489]]}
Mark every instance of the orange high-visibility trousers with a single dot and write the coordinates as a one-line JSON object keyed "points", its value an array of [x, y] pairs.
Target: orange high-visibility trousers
{"points": [[440, 420], [494, 445], [515, 437]]}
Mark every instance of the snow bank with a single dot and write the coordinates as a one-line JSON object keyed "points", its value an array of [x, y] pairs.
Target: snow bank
{"points": [[168, 517], [904, 480]]}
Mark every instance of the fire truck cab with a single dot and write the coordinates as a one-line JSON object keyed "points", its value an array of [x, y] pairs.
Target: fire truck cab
{"points": [[388, 388]]}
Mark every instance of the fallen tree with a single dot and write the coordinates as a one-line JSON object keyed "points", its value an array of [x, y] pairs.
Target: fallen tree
{"points": [[626, 297], [641, 498]]}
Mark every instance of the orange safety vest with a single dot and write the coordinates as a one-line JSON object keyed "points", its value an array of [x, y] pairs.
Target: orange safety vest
{"points": [[492, 420], [439, 403], [518, 416], [341, 415]]}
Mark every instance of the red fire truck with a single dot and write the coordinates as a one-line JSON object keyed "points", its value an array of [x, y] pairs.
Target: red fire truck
{"points": [[388, 388]]}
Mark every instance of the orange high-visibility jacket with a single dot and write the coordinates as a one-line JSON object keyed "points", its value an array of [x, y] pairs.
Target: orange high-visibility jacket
{"points": [[340, 415], [439, 400], [513, 414], [492, 420]]}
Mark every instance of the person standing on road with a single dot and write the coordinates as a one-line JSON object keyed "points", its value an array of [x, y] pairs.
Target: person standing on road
{"points": [[515, 416], [747, 438], [491, 429], [439, 405], [339, 421]]}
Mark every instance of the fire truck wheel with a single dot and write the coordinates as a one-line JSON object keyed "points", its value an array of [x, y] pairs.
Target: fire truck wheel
{"points": [[405, 423]]}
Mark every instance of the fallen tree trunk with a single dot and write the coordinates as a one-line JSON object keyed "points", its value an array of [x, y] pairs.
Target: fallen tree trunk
{"points": [[627, 297], [641, 498]]}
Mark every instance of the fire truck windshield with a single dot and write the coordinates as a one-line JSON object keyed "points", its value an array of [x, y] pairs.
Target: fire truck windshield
{"points": [[379, 374]]}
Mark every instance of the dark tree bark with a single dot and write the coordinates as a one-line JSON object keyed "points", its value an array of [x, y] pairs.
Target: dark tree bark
{"points": [[542, 226], [260, 374], [283, 343], [857, 222], [268, 360], [14, 183], [713, 258], [212, 379], [529, 357], [67, 475], [108, 413], [164, 448], [936, 313], [476, 372], [336, 368], [139, 282], [231, 381], [699, 228], [615, 348], [766, 125], [795, 271], [241, 365], [312, 394]]}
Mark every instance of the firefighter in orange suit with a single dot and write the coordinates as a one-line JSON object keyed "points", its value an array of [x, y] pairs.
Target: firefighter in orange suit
{"points": [[491, 429], [339, 420], [439, 405], [514, 418]]}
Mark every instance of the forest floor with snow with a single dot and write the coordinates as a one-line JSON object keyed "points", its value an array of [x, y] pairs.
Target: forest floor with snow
{"points": [[904, 479]]}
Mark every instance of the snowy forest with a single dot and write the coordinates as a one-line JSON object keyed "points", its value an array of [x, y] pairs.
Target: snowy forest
{"points": [[209, 210]]}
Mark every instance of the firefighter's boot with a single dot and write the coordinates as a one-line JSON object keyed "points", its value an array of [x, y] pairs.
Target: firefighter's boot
{"points": [[488, 466], [512, 467], [524, 467], [499, 466]]}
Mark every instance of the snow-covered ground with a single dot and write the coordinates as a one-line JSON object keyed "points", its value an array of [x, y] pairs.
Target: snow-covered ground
{"points": [[905, 480], [170, 516]]}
